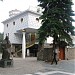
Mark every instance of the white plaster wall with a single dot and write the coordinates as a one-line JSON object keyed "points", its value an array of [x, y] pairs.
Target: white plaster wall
{"points": [[14, 38], [32, 22], [11, 29], [24, 24], [73, 39]]}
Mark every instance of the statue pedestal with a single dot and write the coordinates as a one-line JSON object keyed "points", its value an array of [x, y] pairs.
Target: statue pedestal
{"points": [[6, 63]]}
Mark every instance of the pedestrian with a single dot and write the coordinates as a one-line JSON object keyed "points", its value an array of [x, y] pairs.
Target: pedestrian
{"points": [[54, 58]]}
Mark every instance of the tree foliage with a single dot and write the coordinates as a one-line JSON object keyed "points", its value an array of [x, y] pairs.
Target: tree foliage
{"points": [[56, 20], [1, 39]]}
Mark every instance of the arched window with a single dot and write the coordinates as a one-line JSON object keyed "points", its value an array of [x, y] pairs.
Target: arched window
{"points": [[21, 20], [7, 25], [37, 19], [13, 23]]}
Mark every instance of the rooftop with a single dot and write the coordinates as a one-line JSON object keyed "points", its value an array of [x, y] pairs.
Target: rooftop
{"points": [[26, 11]]}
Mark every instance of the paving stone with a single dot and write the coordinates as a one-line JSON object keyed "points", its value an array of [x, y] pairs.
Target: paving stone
{"points": [[30, 65]]}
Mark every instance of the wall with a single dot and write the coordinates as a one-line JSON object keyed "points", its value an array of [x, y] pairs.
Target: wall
{"points": [[14, 37], [32, 22], [45, 55], [70, 53]]}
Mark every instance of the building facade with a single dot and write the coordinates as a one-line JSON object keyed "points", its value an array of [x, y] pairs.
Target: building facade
{"points": [[21, 28]]}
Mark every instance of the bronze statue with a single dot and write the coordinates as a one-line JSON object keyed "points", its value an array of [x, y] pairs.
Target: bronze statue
{"points": [[6, 48], [6, 61]]}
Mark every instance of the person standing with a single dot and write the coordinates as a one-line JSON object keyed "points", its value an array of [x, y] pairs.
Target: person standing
{"points": [[54, 57]]}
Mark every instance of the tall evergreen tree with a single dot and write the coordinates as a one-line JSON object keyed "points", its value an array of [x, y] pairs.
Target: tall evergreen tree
{"points": [[1, 39], [56, 21]]}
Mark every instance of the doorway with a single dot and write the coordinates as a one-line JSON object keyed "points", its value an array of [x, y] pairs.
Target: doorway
{"points": [[62, 53]]}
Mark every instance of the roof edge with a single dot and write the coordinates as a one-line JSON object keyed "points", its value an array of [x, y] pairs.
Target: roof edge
{"points": [[20, 14]]}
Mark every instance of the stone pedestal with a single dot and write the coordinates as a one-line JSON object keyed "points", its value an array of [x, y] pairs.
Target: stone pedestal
{"points": [[6, 63]]}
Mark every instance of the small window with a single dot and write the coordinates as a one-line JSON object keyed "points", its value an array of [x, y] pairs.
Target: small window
{"points": [[37, 19], [7, 25], [13, 23], [21, 19], [8, 34]]}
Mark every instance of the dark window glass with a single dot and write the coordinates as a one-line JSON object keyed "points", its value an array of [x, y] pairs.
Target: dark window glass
{"points": [[37, 19], [21, 19], [7, 25], [13, 23]]}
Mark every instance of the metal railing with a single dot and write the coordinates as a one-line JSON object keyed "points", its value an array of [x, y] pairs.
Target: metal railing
{"points": [[28, 44]]}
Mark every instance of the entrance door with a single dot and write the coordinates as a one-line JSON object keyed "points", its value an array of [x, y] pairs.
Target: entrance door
{"points": [[62, 53]]}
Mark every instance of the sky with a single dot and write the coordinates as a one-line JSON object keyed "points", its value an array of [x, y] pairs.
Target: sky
{"points": [[22, 5], [8, 5]]}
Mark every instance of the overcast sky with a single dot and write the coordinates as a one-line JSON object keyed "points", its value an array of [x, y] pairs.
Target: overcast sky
{"points": [[8, 5]]}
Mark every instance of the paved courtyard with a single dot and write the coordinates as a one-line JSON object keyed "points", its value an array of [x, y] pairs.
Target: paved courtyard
{"points": [[30, 66]]}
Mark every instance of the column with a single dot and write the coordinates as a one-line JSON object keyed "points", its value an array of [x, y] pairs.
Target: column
{"points": [[30, 37], [23, 45]]}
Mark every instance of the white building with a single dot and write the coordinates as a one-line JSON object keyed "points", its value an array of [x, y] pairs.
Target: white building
{"points": [[21, 26]]}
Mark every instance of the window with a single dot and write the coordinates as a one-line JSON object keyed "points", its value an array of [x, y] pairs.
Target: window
{"points": [[7, 25], [37, 19], [13, 23], [21, 19]]}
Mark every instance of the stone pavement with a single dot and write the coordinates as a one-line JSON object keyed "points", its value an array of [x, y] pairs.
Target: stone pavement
{"points": [[30, 66]]}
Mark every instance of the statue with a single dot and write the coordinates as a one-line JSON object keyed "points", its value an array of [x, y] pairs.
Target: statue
{"points": [[6, 51], [6, 48]]}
